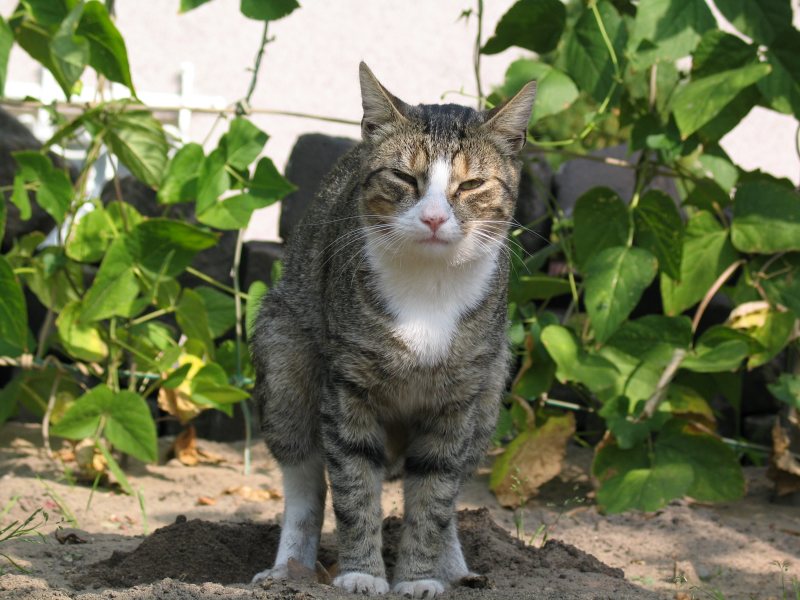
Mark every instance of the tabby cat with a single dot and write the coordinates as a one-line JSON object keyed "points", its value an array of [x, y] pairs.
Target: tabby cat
{"points": [[382, 351]]}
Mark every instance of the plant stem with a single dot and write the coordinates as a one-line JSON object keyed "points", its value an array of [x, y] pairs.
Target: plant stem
{"points": [[215, 283], [243, 106], [718, 283], [476, 57]]}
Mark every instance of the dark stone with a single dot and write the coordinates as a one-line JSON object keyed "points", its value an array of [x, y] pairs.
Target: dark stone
{"points": [[312, 157], [535, 189], [257, 260], [577, 176]]}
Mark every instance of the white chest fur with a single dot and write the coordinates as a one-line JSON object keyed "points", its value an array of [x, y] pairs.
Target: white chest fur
{"points": [[427, 300]]}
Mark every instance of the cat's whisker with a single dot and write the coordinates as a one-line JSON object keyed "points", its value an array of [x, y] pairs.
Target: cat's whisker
{"points": [[514, 224]]}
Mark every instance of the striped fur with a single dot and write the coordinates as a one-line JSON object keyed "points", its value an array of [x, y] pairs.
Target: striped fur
{"points": [[382, 351]]}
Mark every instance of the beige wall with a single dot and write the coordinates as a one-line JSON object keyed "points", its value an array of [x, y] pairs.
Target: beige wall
{"points": [[416, 47]]}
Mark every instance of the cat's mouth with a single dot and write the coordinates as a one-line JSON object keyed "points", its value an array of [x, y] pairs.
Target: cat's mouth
{"points": [[433, 240]]}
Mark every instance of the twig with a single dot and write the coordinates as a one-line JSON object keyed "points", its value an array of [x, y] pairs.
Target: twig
{"points": [[713, 290], [242, 107], [476, 57], [51, 403], [653, 401], [80, 106]]}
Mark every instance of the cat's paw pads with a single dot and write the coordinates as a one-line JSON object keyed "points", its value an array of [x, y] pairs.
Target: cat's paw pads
{"points": [[421, 588], [362, 583], [276, 572]]}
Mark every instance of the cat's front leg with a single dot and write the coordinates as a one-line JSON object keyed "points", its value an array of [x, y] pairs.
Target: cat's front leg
{"points": [[355, 458]]}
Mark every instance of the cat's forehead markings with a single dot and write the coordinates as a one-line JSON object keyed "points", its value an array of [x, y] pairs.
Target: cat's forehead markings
{"points": [[439, 176], [419, 161]]}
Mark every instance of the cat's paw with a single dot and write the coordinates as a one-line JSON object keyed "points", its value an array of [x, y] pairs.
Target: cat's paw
{"points": [[276, 572], [362, 583], [421, 588]]}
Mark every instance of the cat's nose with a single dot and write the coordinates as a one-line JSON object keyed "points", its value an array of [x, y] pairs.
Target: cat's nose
{"points": [[433, 221]]}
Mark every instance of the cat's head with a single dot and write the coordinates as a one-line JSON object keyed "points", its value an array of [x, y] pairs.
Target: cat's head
{"points": [[439, 182]]}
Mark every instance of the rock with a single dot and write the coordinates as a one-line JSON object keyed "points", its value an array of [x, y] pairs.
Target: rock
{"points": [[257, 260], [312, 157], [535, 188], [577, 176]]}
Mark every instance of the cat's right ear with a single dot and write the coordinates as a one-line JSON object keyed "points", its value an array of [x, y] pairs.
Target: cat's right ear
{"points": [[382, 110]]}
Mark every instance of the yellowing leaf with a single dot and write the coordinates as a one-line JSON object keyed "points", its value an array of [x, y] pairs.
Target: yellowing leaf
{"points": [[531, 460]]}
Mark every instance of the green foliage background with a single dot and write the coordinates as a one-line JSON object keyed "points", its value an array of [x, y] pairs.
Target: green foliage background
{"points": [[608, 72]]}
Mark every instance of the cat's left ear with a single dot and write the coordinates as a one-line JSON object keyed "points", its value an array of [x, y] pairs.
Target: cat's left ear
{"points": [[382, 109], [509, 121]]}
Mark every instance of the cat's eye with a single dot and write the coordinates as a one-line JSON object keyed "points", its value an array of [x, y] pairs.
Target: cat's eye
{"points": [[470, 184], [405, 177]]}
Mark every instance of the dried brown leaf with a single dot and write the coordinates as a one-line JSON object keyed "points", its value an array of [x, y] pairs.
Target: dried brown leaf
{"points": [[206, 501], [299, 572], [252, 494]]}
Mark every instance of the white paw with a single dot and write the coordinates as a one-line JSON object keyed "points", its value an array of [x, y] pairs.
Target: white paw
{"points": [[362, 583], [422, 588], [276, 572]]}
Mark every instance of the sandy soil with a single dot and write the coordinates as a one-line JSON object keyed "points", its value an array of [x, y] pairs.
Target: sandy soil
{"points": [[206, 543]]}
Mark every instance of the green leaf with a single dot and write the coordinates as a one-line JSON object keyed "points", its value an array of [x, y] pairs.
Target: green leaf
{"points": [[114, 288], [128, 424], [787, 389], [575, 364], [762, 21], [615, 281], [659, 229], [48, 12], [699, 101], [586, 55], [716, 474], [624, 425], [180, 180], [82, 419], [233, 212], [719, 51], [242, 143], [599, 205], [267, 10], [107, 52], [165, 247], [130, 427], [773, 335], [192, 318], [268, 184], [53, 187], [20, 199], [6, 41], [706, 194], [69, 51], [13, 315], [536, 373], [9, 399], [255, 297], [781, 279], [718, 349], [187, 5], [220, 309], [711, 252], [212, 181], [653, 338], [674, 26], [648, 488], [535, 25], [766, 218], [80, 340], [537, 287], [177, 377], [138, 139], [781, 88], [555, 91]]}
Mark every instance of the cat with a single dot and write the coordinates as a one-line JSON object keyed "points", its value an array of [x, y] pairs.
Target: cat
{"points": [[383, 350]]}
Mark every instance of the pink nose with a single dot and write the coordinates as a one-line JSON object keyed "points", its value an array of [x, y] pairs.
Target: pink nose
{"points": [[433, 221]]}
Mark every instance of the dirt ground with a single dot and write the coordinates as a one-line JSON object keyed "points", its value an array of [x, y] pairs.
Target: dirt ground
{"points": [[205, 543]]}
